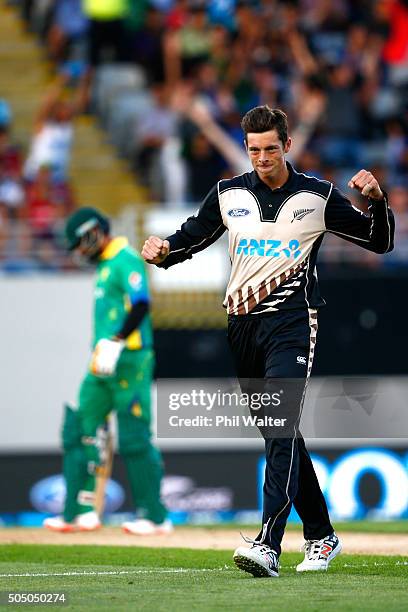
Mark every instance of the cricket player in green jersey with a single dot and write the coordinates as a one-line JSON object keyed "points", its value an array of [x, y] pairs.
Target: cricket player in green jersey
{"points": [[119, 378]]}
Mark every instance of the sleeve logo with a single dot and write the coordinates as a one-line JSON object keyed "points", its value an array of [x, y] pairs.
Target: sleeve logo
{"points": [[135, 280]]}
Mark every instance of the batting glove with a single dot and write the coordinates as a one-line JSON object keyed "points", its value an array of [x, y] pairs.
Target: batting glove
{"points": [[105, 357]]}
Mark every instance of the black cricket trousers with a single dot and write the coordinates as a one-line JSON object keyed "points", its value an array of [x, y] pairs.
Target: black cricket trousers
{"points": [[272, 348]]}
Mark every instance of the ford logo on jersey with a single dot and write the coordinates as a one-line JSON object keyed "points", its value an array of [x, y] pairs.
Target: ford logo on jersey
{"points": [[268, 248], [238, 212]]}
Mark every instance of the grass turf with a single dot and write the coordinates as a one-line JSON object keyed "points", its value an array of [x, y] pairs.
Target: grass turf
{"points": [[350, 526], [123, 578]]}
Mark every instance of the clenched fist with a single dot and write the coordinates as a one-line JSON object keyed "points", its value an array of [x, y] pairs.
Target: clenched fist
{"points": [[367, 184], [155, 250]]}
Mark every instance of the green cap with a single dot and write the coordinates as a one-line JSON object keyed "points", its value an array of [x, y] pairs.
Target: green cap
{"points": [[82, 221]]}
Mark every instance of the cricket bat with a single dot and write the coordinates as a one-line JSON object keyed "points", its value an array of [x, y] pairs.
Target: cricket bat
{"points": [[105, 469]]}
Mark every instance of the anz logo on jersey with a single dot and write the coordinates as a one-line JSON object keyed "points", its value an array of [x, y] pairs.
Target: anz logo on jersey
{"points": [[268, 248]]}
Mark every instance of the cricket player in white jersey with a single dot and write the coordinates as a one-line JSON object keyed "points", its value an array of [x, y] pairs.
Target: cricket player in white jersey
{"points": [[277, 219]]}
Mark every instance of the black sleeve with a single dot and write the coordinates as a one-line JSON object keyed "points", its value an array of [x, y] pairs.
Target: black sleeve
{"points": [[133, 319], [197, 233], [374, 232]]}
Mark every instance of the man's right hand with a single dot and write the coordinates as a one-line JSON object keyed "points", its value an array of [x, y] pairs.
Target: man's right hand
{"points": [[155, 250]]}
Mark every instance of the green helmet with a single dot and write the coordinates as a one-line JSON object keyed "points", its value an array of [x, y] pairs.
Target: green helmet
{"points": [[83, 221]]}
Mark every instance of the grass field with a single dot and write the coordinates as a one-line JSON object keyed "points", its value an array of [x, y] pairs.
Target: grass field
{"points": [[126, 578], [350, 526]]}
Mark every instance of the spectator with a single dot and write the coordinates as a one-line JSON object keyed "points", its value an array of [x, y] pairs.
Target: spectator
{"points": [[107, 31], [222, 12], [146, 45], [53, 131], [395, 51], [11, 190], [341, 143], [396, 147], [48, 203], [66, 36], [5, 114], [177, 16], [156, 161], [10, 154], [11, 196], [11, 205], [187, 47], [204, 164]]}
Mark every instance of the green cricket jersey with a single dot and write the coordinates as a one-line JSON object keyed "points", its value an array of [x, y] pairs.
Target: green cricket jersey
{"points": [[121, 281]]}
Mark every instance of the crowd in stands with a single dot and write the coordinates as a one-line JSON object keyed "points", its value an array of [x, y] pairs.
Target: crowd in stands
{"points": [[187, 70], [35, 196]]}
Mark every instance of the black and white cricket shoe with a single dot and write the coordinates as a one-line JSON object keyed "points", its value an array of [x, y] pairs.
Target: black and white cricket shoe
{"points": [[319, 553], [259, 560]]}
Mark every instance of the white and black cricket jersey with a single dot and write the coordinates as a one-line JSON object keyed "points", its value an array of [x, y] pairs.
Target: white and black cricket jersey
{"points": [[275, 235]]}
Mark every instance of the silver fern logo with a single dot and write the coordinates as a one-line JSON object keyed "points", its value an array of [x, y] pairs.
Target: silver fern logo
{"points": [[300, 213]]}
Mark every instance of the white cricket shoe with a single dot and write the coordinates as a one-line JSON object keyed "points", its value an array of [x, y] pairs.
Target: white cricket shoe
{"points": [[259, 560], [319, 553], [144, 527], [89, 521], [57, 523]]}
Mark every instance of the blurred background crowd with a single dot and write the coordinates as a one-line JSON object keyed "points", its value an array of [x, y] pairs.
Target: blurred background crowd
{"points": [[169, 80]]}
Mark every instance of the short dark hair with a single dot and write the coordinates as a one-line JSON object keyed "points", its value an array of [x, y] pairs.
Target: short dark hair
{"points": [[262, 119]]}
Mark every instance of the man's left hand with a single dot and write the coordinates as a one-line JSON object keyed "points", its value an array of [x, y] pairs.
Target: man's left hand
{"points": [[105, 357], [367, 184]]}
